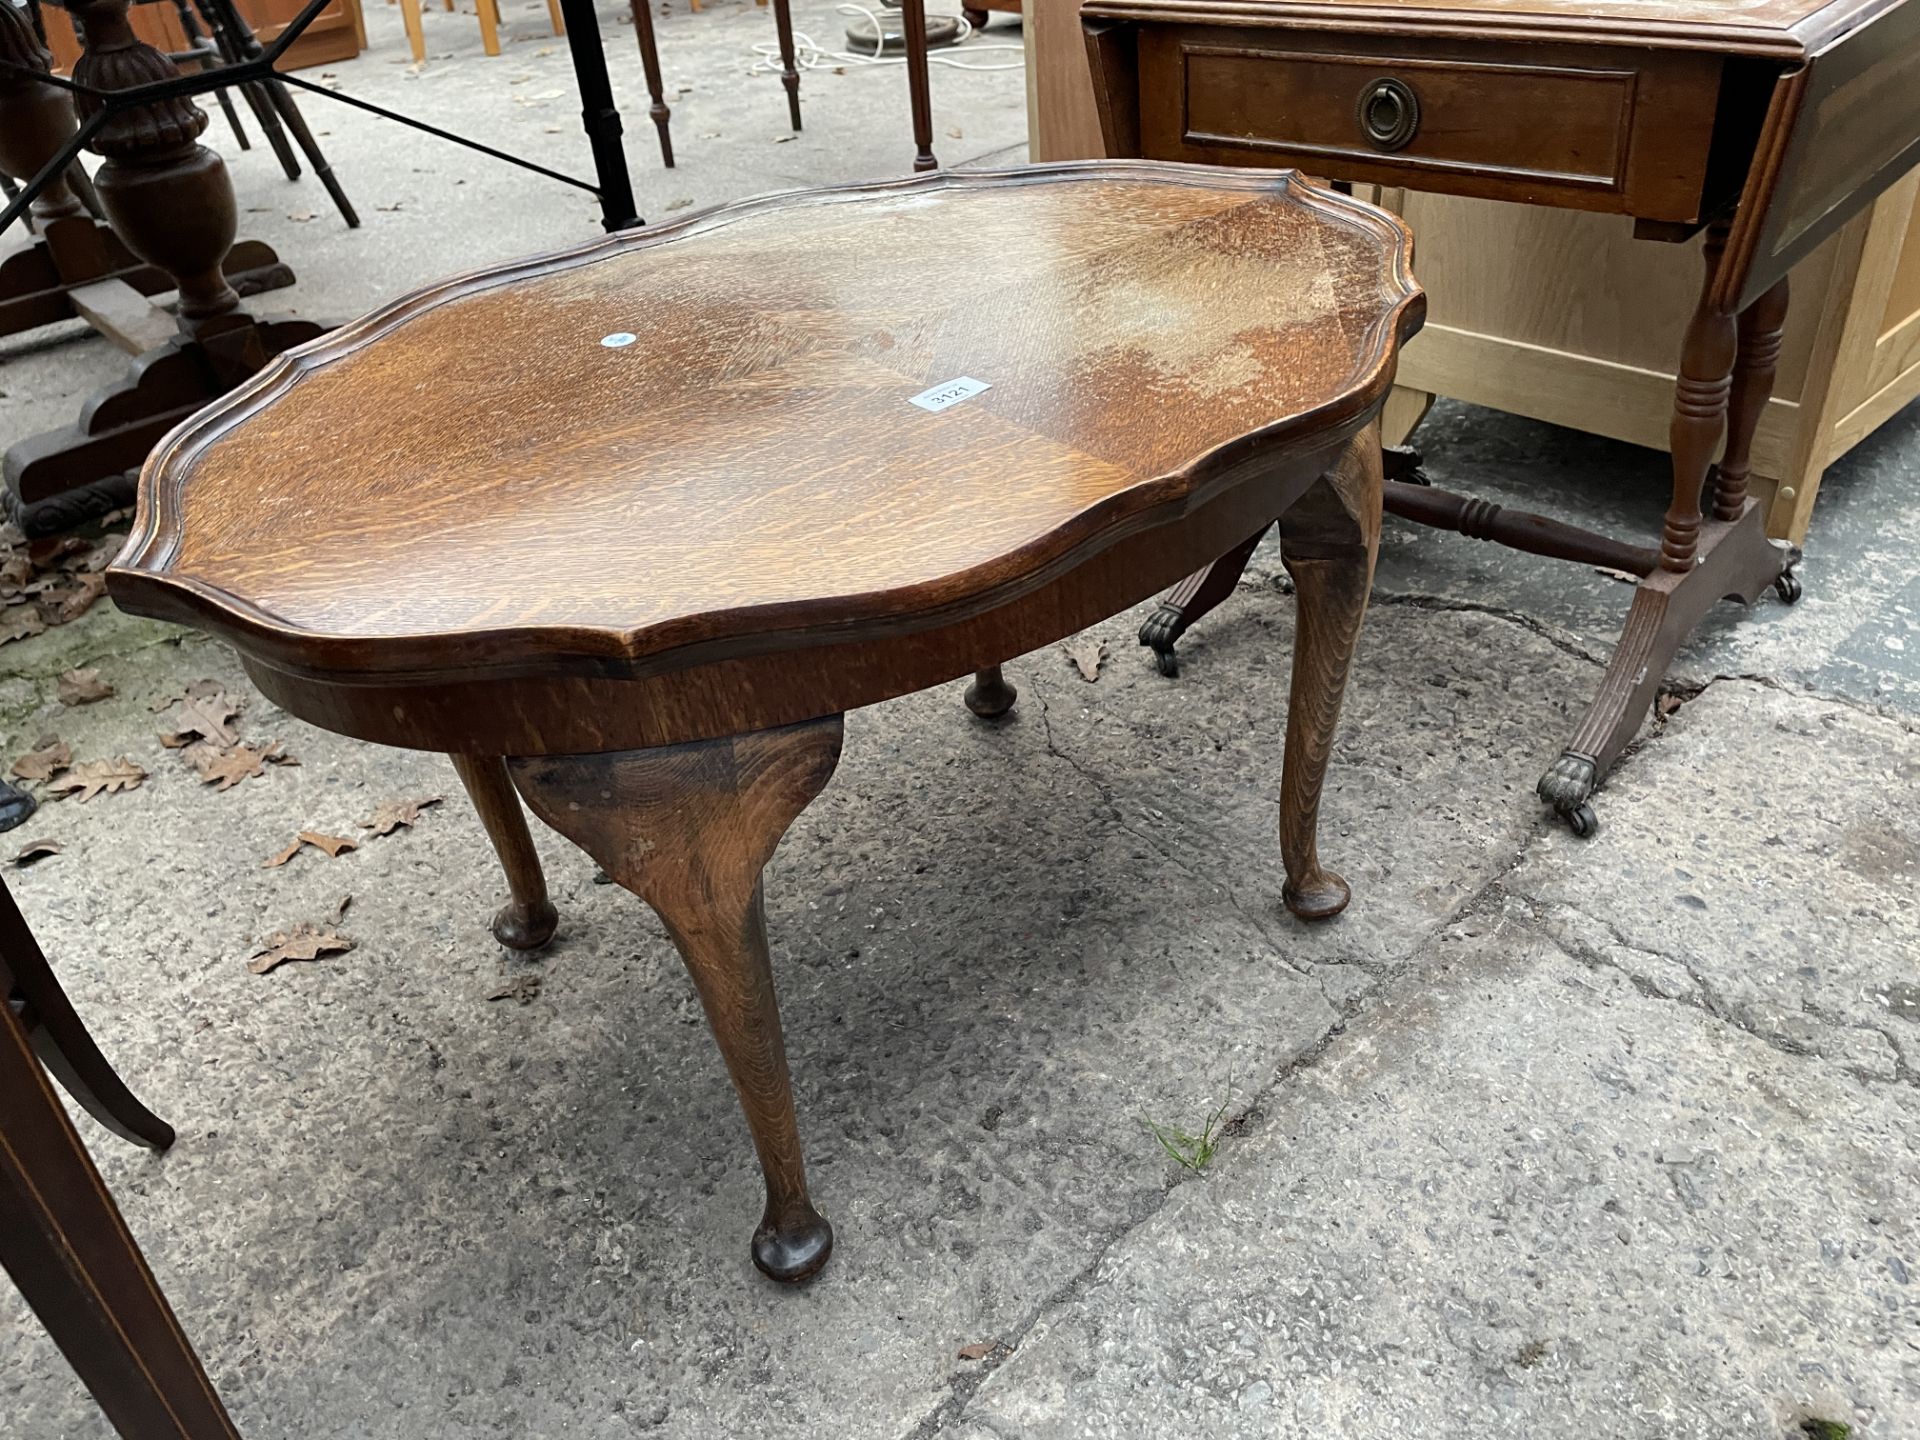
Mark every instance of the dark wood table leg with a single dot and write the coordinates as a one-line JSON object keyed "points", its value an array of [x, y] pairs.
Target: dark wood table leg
{"points": [[990, 696], [913, 27], [527, 921], [1329, 542], [41, 1008], [67, 1248], [789, 69], [648, 39], [689, 828], [1727, 367], [1193, 597]]}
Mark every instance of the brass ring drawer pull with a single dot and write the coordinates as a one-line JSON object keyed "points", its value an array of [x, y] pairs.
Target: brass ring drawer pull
{"points": [[1389, 114]]}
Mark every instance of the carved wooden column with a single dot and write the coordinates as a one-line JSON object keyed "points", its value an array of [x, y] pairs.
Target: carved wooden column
{"points": [[171, 205]]}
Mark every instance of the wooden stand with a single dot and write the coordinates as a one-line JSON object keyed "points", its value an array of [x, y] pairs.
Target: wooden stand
{"points": [[173, 218]]}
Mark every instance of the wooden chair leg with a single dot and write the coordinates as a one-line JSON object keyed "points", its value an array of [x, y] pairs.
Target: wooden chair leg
{"points": [[1328, 542], [689, 828], [416, 35], [789, 70], [554, 16], [67, 1249], [990, 696], [913, 28], [1193, 597], [527, 921], [643, 33], [36, 1002], [489, 25]]}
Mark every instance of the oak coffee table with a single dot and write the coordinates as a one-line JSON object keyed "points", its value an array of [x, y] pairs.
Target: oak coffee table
{"points": [[626, 530]]}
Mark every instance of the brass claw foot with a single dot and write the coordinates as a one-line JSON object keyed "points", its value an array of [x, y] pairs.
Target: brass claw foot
{"points": [[1161, 632], [1788, 587], [1568, 783]]}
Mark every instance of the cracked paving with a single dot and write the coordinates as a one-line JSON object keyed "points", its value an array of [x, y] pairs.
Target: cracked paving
{"points": [[1542, 1138]]}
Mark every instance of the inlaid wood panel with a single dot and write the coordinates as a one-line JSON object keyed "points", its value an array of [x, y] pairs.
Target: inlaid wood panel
{"points": [[482, 464]]}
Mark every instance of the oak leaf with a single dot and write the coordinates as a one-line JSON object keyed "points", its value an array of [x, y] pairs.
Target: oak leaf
{"points": [[524, 988], [225, 766], [305, 941], [84, 687], [50, 550], [334, 845], [203, 716], [396, 813], [20, 621], [54, 755], [35, 850], [280, 857], [979, 1350], [93, 777], [1086, 654], [70, 604]]}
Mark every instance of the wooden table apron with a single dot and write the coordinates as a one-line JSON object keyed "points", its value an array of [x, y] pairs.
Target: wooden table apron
{"points": [[1768, 126], [674, 729]]}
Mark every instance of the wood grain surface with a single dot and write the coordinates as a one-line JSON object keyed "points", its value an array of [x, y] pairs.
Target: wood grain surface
{"points": [[470, 480]]}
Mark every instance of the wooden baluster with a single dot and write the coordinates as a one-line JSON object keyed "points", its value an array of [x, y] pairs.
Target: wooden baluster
{"points": [[167, 195], [1761, 326], [1699, 415]]}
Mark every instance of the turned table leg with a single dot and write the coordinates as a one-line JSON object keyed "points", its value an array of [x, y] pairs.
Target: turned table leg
{"points": [[689, 828], [643, 32], [1727, 367], [1329, 541], [527, 921]]}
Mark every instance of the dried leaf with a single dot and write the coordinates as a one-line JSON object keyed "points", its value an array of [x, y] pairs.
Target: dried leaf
{"points": [[305, 941], [20, 622], [1086, 655], [42, 763], [50, 550], [35, 850], [525, 988], [979, 1350], [204, 716], [280, 857], [1667, 704], [224, 767], [334, 845], [676, 205], [1621, 575], [340, 908], [93, 777], [70, 604], [83, 687], [301, 217], [15, 570], [395, 813]]}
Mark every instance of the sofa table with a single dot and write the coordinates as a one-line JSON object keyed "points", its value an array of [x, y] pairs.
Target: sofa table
{"points": [[672, 502], [1765, 124]]}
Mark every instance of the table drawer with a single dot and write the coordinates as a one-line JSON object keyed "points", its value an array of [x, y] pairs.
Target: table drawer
{"points": [[1582, 127]]}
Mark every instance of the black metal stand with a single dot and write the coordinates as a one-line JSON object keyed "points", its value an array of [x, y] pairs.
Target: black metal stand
{"points": [[598, 115]]}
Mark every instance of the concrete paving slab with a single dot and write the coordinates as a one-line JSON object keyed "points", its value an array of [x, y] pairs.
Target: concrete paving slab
{"points": [[1521, 1197], [398, 1209]]}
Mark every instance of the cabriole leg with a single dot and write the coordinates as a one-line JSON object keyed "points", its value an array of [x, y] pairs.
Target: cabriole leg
{"points": [[689, 828], [527, 921], [1329, 541]]}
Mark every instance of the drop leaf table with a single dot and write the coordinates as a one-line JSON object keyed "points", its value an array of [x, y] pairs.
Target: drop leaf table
{"points": [[696, 491], [1764, 125]]}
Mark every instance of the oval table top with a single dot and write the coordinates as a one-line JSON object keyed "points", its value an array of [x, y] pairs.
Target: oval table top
{"points": [[613, 460]]}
